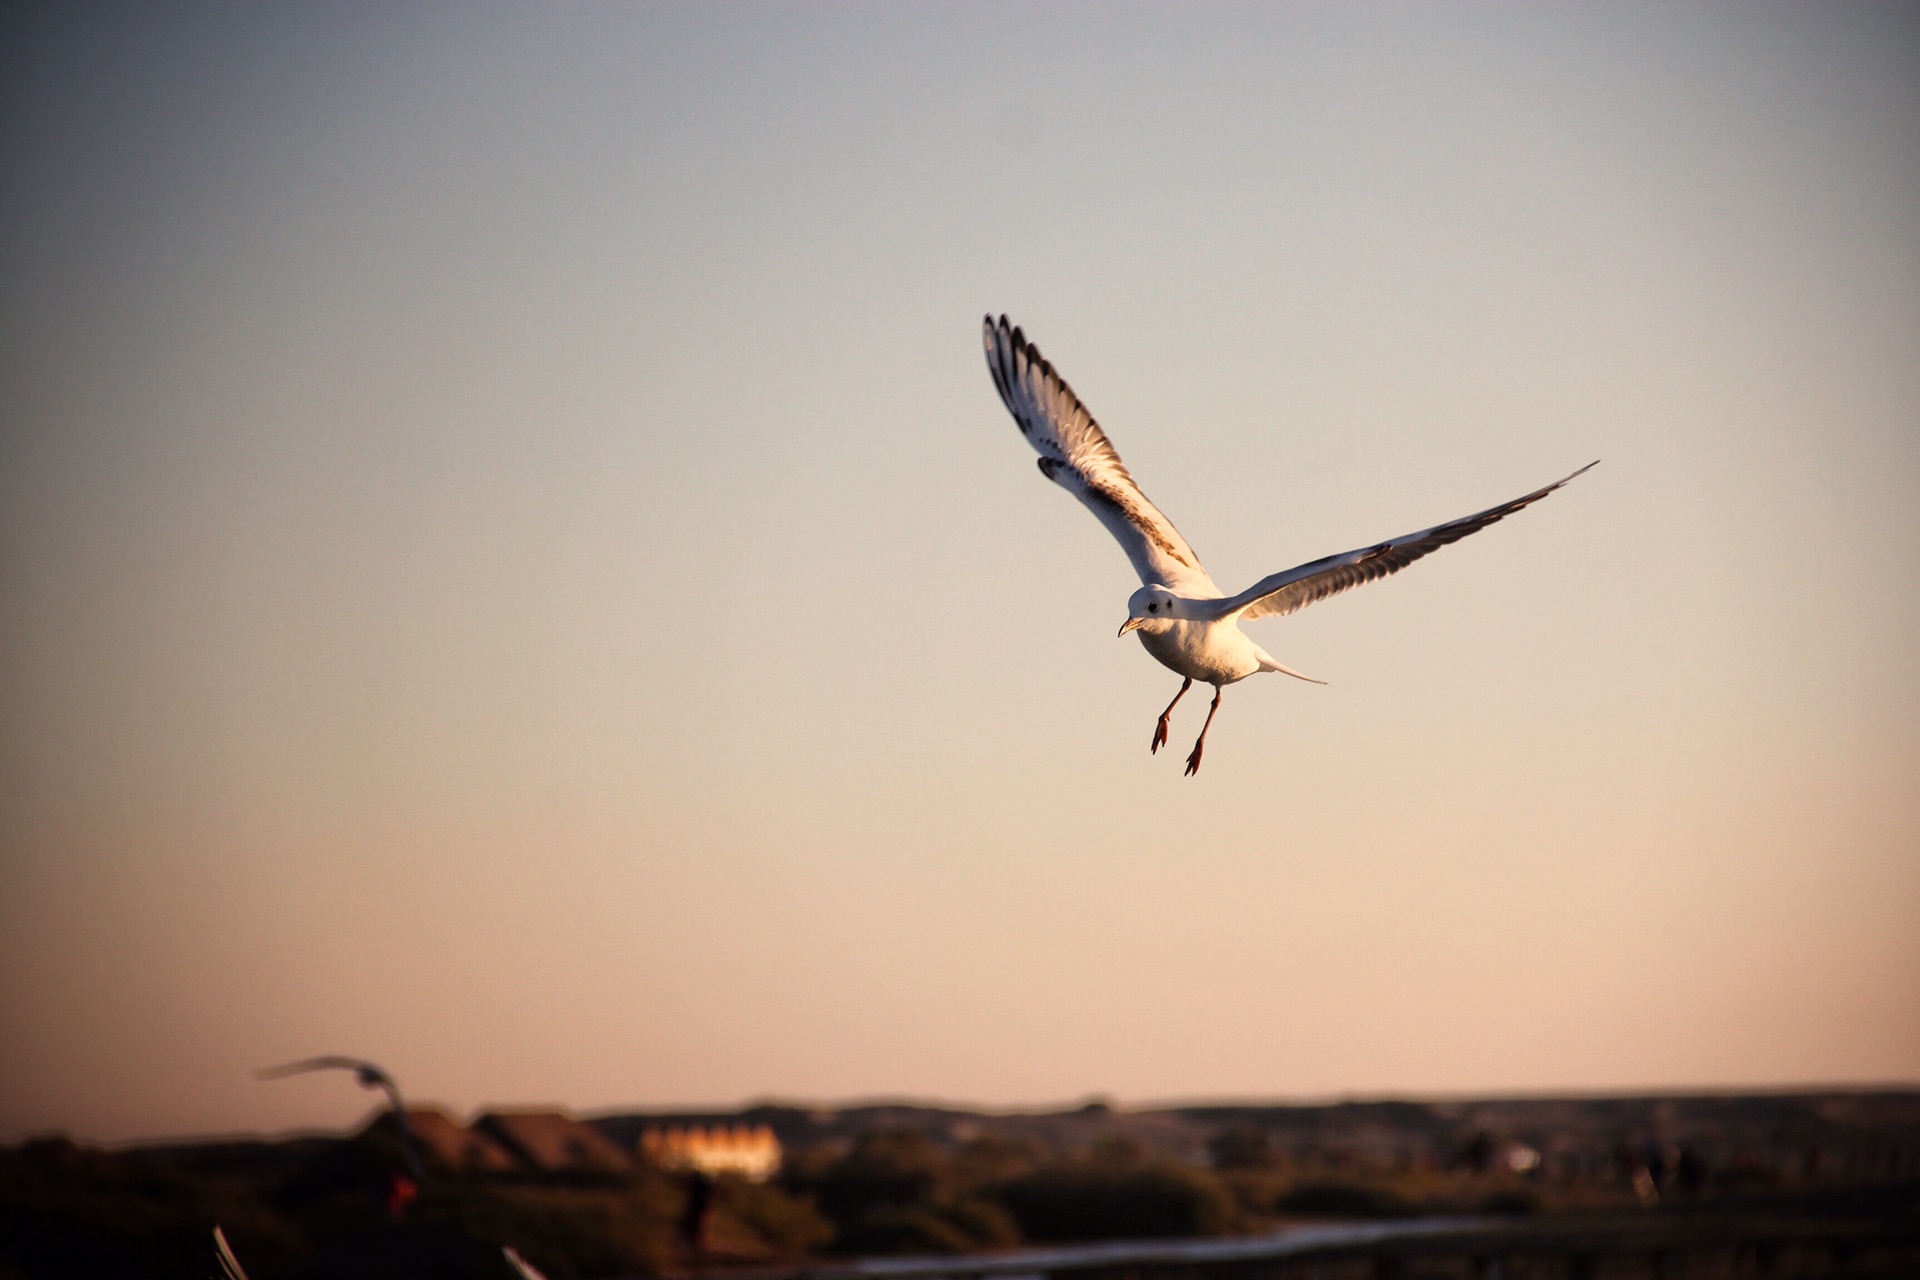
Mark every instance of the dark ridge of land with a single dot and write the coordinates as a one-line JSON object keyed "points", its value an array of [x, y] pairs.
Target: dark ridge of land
{"points": [[1776, 1127], [1817, 1183]]}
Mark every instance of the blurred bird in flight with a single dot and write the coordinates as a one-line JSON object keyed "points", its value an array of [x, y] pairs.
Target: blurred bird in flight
{"points": [[371, 1076], [1184, 620]]}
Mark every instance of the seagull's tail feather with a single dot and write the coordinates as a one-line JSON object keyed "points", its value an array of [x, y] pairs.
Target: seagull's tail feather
{"points": [[1268, 664]]}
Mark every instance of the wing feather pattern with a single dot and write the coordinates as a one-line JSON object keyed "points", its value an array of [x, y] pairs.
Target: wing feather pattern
{"points": [[1076, 455], [1295, 589]]}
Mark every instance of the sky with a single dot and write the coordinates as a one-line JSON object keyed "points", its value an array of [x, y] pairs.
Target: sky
{"points": [[512, 566]]}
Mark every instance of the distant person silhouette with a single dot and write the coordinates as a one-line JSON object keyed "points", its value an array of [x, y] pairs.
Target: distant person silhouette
{"points": [[696, 1221]]}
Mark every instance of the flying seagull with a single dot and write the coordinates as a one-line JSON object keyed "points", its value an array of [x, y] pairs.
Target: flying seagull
{"points": [[1184, 620], [371, 1076]]}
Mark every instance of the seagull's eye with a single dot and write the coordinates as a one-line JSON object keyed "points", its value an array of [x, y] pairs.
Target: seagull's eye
{"points": [[1153, 608]]}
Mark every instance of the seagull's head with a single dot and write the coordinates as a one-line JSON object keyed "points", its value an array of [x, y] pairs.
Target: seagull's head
{"points": [[1152, 609]]}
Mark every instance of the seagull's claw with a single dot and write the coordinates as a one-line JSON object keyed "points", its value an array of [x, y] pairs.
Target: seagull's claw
{"points": [[1159, 737], [1193, 761]]}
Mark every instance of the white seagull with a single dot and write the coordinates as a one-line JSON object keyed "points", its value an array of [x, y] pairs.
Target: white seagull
{"points": [[1184, 620]]}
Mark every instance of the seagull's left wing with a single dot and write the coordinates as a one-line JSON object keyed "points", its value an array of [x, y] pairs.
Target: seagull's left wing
{"points": [[1283, 593], [1076, 455]]}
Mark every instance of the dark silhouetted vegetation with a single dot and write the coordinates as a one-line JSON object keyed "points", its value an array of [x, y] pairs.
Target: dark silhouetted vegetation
{"points": [[1342, 1200], [72, 1212], [1118, 1191], [904, 1180], [896, 1191]]}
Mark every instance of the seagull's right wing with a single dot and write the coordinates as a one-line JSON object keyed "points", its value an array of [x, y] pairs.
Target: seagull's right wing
{"points": [[1283, 593], [1076, 455]]}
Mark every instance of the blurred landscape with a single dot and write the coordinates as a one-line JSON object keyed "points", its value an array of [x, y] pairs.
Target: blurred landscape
{"points": [[1824, 1183]]}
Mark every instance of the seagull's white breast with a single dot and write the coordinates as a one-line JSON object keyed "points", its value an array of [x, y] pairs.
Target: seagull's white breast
{"points": [[1216, 652]]}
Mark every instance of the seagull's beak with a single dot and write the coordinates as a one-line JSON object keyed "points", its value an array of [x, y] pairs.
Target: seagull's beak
{"points": [[1129, 625]]}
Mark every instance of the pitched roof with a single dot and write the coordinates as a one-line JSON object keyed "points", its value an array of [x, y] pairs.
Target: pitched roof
{"points": [[553, 1140]]}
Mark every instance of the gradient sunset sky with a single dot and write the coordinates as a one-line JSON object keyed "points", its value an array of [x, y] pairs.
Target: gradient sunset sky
{"points": [[511, 564]]}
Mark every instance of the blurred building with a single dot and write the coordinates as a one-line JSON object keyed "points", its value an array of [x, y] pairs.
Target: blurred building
{"points": [[553, 1141], [750, 1151], [445, 1143]]}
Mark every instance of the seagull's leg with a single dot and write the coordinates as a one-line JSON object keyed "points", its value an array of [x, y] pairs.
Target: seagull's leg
{"points": [[1160, 730], [1193, 761]]}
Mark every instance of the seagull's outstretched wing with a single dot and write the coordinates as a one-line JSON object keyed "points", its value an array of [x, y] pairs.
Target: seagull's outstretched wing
{"points": [[1076, 455], [1294, 589]]}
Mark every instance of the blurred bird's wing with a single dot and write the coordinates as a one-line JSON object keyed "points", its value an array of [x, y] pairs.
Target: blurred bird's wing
{"points": [[325, 1062], [1076, 455], [1283, 593], [371, 1075], [400, 1117], [521, 1267], [230, 1268]]}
